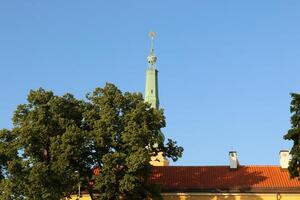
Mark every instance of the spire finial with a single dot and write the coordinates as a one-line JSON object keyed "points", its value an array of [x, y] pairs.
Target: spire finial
{"points": [[152, 35], [152, 58]]}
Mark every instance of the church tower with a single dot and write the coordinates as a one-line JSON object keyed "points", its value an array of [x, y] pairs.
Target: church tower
{"points": [[151, 89], [151, 95]]}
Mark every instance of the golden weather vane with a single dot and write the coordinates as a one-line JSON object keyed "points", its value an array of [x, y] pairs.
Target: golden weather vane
{"points": [[152, 35], [152, 58]]}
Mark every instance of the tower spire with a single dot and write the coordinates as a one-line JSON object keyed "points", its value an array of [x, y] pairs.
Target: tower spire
{"points": [[151, 96], [151, 89]]}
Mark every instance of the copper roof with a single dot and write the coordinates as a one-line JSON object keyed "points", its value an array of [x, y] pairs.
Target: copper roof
{"points": [[266, 179]]}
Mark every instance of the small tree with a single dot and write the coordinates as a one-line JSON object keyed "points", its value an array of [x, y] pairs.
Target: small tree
{"points": [[294, 135], [56, 141]]}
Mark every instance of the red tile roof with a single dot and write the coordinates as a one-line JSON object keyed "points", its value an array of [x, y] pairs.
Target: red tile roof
{"points": [[267, 179]]}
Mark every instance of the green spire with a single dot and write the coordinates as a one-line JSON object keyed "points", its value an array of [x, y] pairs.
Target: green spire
{"points": [[151, 89], [151, 96]]}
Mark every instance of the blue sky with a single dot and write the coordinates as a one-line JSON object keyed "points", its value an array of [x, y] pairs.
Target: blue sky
{"points": [[226, 68]]}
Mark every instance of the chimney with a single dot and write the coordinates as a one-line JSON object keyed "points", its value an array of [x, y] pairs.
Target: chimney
{"points": [[233, 161], [284, 158]]}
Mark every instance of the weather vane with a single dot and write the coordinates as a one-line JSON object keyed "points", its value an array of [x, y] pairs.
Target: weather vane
{"points": [[152, 35], [152, 58]]}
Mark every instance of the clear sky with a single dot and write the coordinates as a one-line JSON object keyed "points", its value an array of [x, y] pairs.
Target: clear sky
{"points": [[226, 68]]}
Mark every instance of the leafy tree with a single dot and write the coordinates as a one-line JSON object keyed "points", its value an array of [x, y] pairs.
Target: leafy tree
{"points": [[294, 135], [48, 141], [126, 133], [57, 141]]}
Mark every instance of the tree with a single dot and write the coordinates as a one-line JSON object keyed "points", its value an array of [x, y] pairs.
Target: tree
{"points": [[126, 133], [294, 135], [49, 144], [57, 141]]}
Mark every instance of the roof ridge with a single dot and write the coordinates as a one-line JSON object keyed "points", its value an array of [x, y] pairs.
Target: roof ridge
{"points": [[194, 166]]}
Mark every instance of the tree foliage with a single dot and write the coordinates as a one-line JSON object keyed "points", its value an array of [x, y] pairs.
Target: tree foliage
{"points": [[57, 141], [294, 135]]}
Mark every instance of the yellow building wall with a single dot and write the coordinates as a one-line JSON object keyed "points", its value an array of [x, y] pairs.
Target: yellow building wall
{"points": [[83, 197], [231, 196], [212, 196], [159, 160]]}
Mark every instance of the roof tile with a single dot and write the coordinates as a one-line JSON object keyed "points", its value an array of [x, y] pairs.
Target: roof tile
{"points": [[222, 179]]}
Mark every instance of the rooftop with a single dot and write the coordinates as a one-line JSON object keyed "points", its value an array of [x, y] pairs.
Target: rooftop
{"points": [[264, 179]]}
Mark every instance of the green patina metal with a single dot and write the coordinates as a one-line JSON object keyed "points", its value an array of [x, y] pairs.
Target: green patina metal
{"points": [[151, 89]]}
